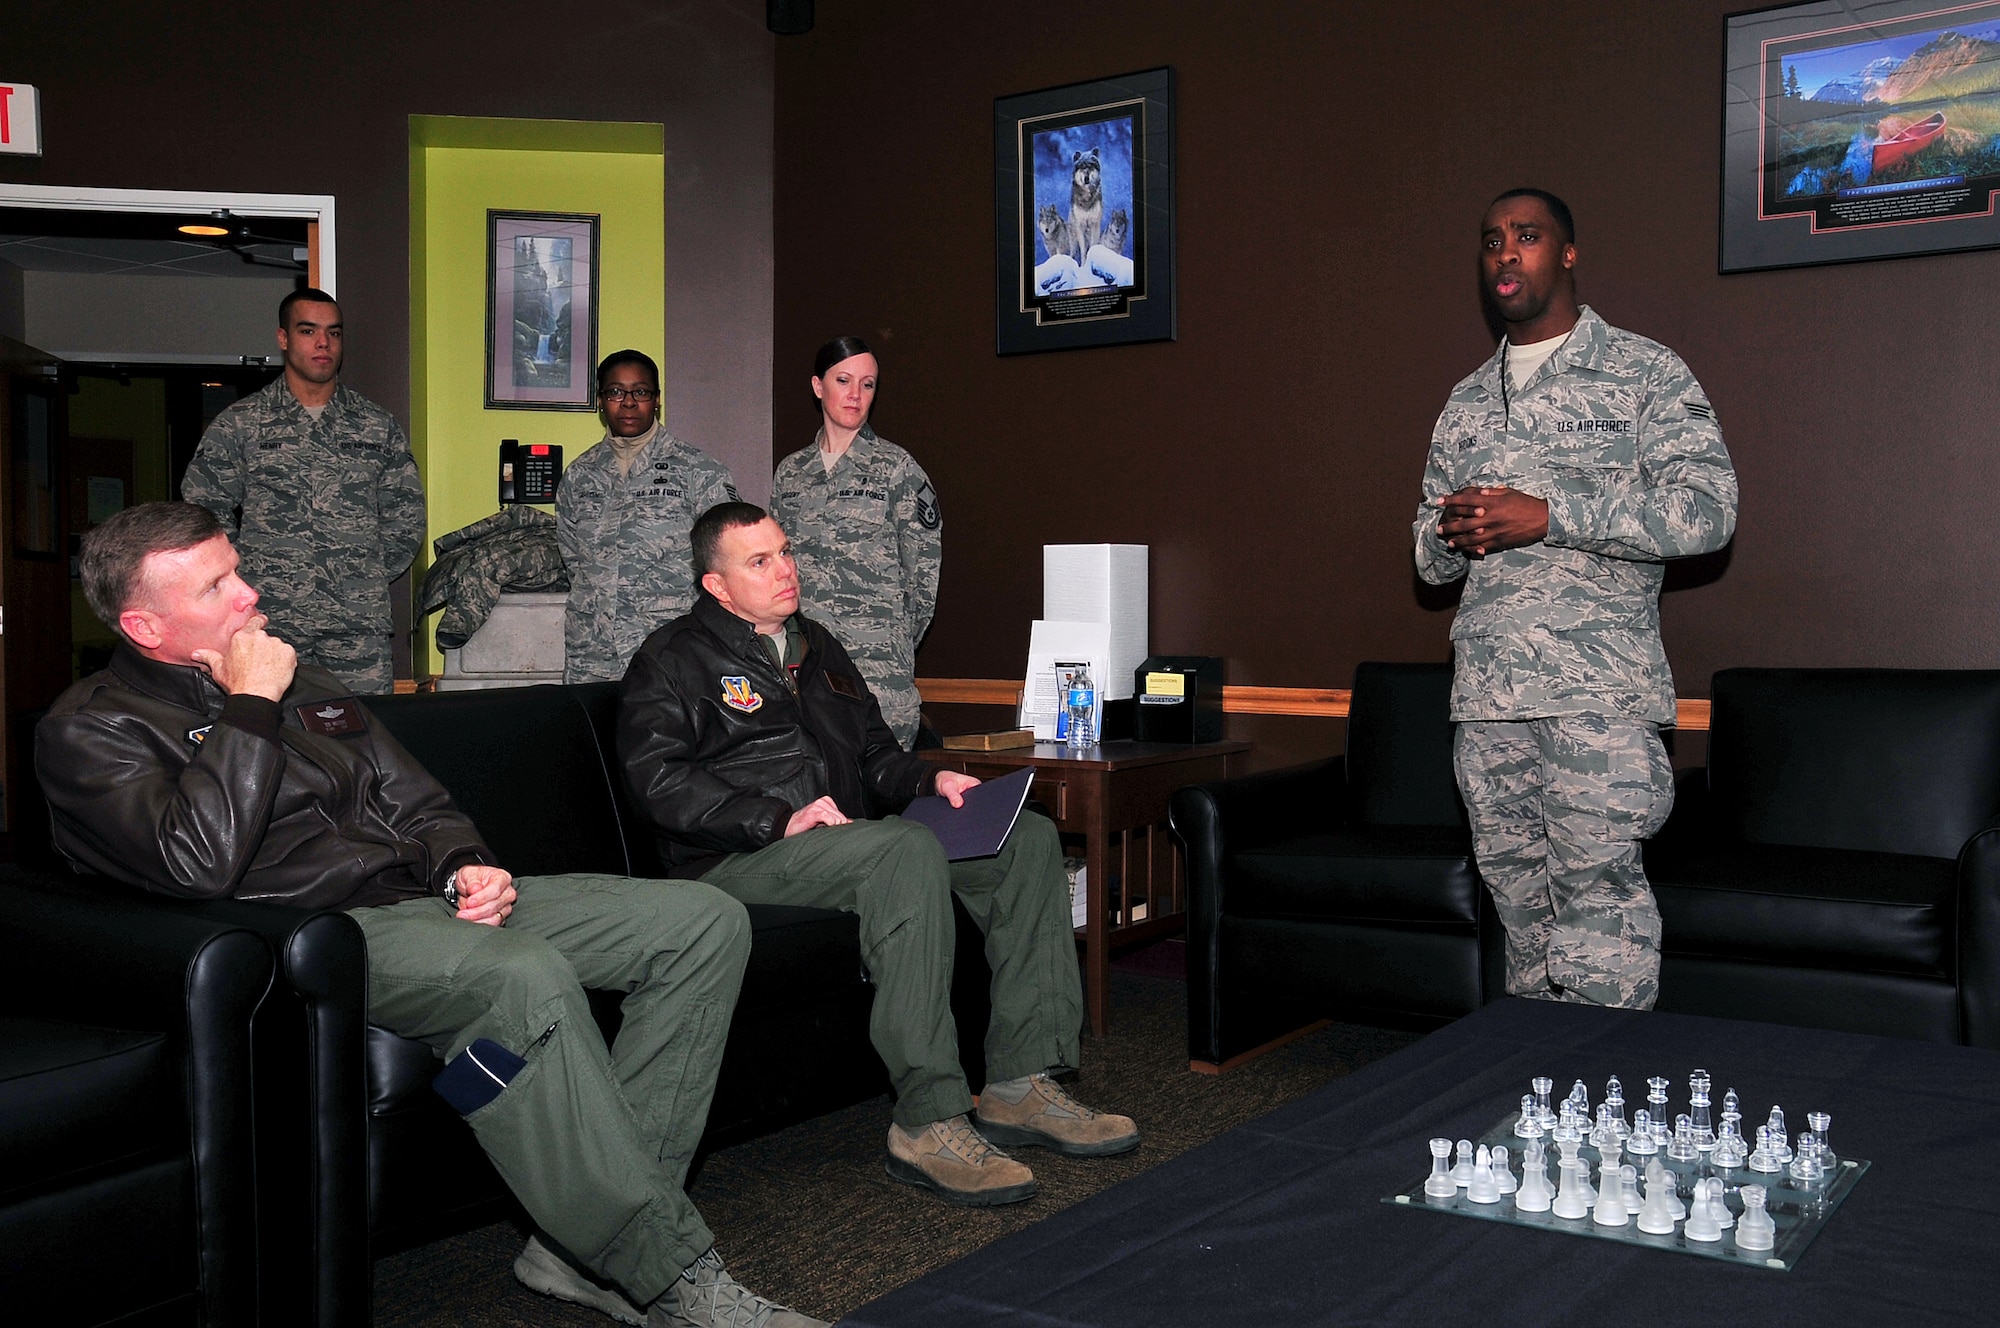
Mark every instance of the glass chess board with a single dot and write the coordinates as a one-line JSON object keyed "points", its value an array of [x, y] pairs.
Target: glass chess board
{"points": [[1799, 1210]]}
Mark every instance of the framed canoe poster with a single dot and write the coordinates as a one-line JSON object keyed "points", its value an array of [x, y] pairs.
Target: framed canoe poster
{"points": [[1853, 129]]}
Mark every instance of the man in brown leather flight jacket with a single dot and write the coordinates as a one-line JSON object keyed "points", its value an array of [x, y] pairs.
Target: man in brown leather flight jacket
{"points": [[207, 763]]}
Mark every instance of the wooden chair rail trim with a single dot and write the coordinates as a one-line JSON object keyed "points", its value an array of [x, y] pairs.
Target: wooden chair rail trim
{"points": [[1317, 702]]}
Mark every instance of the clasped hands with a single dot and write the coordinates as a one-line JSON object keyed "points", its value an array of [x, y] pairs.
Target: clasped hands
{"points": [[1482, 519]]}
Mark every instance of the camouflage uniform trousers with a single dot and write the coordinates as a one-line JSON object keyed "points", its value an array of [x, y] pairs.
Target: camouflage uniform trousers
{"points": [[365, 663], [1558, 807], [886, 667]]}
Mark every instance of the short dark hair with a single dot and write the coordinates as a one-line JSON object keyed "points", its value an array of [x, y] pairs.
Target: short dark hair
{"points": [[303, 295], [833, 352], [706, 536], [1557, 209], [114, 553], [618, 357]]}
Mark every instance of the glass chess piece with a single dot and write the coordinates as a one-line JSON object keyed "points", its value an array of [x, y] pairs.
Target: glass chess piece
{"points": [[1569, 1198], [1656, 1215], [1820, 1121], [1730, 1150], [1698, 1115], [1543, 1086], [1530, 1118], [1805, 1165], [1461, 1171], [1781, 1144], [1755, 1230], [1440, 1185], [1701, 1223], [1656, 1100], [1534, 1194], [1681, 1147], [1503, 1173], [1614, 1097], [1581, 1096], [1764, 1158], [1604, 1133], [1483, 1189], [1611, 1210], [1569, 1148], [1669, 1184], [1642, 1143]]}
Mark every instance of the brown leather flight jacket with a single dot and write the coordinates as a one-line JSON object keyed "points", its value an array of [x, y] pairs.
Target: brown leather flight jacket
{"points": [[157, 778]]}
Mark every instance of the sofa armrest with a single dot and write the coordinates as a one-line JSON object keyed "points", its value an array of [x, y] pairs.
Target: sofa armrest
{"points": [[123, 960], [1979, 939], [312, 1114], [1214, 821]]}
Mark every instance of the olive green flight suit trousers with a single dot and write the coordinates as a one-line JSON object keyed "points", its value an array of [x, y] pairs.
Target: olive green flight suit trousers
{"points": [[894, 875], [594, 1142]]}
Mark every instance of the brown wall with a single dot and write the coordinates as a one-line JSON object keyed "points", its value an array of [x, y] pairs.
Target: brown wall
{"points": [[138, 95], [1333, 165]]}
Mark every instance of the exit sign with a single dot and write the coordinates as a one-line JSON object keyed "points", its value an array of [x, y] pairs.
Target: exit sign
{"points": [[20, 120]]}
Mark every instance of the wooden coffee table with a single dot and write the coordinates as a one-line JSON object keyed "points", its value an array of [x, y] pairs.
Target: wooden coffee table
{"points": [[1115, 796]]}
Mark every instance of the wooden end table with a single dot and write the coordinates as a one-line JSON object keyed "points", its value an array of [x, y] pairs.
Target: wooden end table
{"points": [[1115, 796]]}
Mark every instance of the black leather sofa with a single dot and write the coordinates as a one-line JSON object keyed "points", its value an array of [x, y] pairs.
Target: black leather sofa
{"points": [[126, 1175], [1836, 865], [1344, 887], [356, 1156]]}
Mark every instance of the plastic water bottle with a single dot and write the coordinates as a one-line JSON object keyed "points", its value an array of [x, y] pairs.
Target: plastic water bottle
{"points": [[1082, 706]]}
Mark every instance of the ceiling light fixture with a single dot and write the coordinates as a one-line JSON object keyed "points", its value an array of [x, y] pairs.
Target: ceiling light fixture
{"points": [[228, 231]]}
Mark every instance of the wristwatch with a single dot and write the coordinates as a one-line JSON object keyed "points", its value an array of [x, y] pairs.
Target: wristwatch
{"points": [[450, 891]]}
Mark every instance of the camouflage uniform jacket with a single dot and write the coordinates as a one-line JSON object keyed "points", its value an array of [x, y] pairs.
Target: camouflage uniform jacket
{"points": [[333, 509], [514, 549], [870, 543], [624, 539], [1618, 437]]}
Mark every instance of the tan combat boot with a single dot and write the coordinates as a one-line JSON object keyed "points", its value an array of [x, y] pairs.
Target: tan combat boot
{"points": [[950, 1158], [1036, 1113]]}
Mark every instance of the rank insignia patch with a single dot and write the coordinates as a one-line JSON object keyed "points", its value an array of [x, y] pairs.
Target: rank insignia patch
{"points": [[200, 735], [736, 694]]}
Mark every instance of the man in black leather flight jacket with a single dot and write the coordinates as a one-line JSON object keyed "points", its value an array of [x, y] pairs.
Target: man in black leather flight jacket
{"points": [[760, 756], [207, 763]]}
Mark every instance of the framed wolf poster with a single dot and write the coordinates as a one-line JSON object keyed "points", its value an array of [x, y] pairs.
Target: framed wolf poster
{"points": [[541, 310], [1857, 129], [1084, 214]]}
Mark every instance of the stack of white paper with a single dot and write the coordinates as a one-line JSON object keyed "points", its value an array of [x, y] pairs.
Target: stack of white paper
{"points": [[1054, 650], [1101, 583]]}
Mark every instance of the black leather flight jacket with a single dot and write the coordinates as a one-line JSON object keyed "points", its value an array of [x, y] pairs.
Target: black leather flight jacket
{"points": [[720, 745], [157, 778]]}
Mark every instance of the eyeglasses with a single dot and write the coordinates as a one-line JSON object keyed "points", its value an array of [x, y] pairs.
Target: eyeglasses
{"points": [[640, 395]]}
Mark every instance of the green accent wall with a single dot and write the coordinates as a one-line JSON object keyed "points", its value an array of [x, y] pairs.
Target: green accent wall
{"points": [[459, 168]]}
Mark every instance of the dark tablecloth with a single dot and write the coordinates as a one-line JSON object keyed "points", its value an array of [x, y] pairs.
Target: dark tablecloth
{"points": [[1281, 1220]]}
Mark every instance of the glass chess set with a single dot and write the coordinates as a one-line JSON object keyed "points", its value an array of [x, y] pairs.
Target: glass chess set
{"points": [[1697, 1186]]}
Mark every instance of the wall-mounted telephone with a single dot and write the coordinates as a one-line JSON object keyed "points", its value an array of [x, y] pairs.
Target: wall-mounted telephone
{"points": [[529, 473]]}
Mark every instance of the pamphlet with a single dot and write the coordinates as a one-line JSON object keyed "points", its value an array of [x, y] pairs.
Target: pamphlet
{"points": [[981, 826]]}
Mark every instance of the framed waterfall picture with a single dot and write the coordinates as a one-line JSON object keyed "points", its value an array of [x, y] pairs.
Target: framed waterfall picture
{"points": [[541, 310], [1856, 129], [1084, 214]]}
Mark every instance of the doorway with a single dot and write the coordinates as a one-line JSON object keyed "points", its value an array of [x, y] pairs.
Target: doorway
{"points": [[120, 341]]}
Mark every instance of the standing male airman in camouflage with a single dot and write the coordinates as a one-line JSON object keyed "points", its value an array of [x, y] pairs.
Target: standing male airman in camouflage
{"points": [[623, 514], [866, 530], [316, 485], [1562, 475]]}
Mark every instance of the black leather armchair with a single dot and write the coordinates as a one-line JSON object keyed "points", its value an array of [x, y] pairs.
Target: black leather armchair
{"points": [[127, 1182], [1340, 888], [1837, 864]]}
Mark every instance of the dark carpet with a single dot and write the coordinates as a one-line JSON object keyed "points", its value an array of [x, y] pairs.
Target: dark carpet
{"points": [[808, 1216]]}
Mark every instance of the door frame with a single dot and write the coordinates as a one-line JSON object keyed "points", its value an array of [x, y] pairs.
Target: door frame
{"points": [[317, 210]]}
